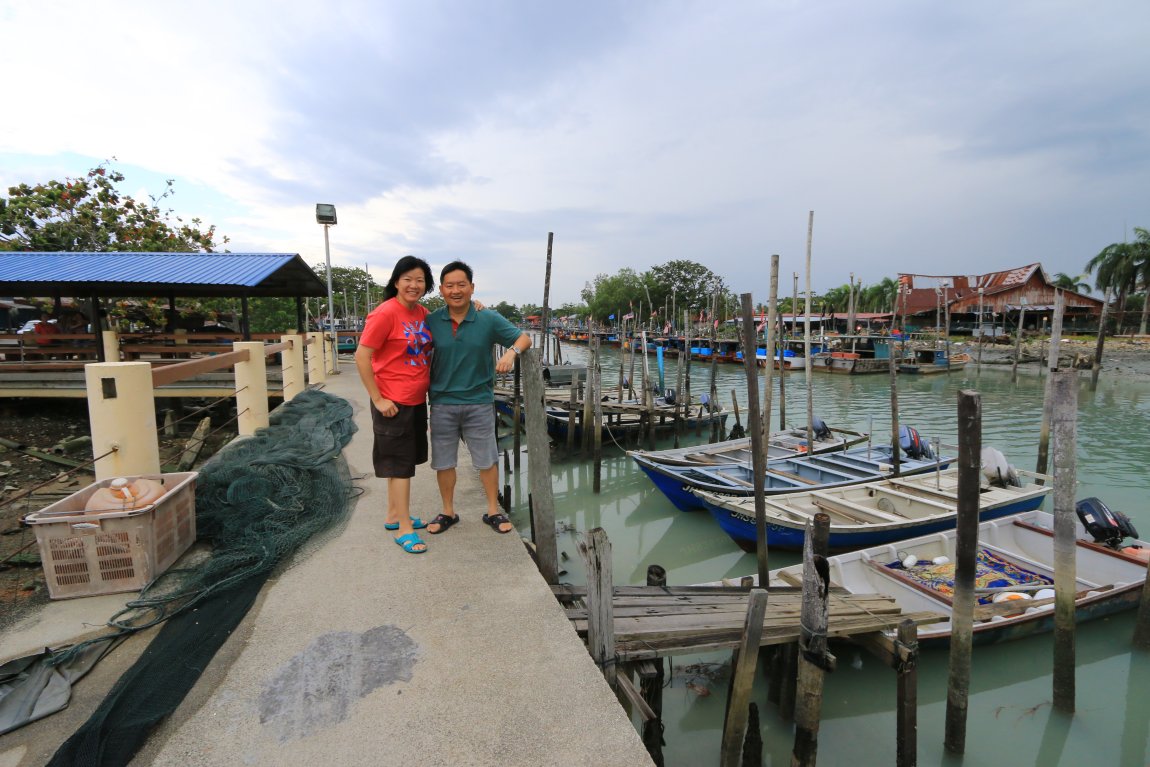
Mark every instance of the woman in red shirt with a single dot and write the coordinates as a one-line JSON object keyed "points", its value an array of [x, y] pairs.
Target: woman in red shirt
{"points": [[393, 360]]}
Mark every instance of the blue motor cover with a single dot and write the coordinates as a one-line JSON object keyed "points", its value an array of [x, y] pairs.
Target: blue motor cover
{"points": [[913, 445]]}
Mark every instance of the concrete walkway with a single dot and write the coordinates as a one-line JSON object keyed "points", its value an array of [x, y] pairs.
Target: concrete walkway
{"points": [[362, 654]]}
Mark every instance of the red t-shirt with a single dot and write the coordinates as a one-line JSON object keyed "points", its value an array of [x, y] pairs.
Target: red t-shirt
{"points": [[402, 344]]}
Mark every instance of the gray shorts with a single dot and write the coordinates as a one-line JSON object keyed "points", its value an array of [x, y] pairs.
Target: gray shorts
{"points": [[474, 424]]}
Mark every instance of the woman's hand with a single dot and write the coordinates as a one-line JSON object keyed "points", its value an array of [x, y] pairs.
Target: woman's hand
{"points": [[478, 305]]}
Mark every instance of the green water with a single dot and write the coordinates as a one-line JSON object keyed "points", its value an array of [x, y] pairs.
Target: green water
{"points": [[1010, 719]]}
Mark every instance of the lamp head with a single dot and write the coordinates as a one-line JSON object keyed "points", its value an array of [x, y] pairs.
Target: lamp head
{"points": [[325, 214]]}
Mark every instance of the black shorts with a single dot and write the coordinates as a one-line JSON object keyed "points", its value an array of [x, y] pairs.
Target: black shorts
{"points": [[400, 441]]}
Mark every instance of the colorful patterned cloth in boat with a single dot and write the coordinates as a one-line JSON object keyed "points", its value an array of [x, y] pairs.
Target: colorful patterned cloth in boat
{"points": [[990, 571]]}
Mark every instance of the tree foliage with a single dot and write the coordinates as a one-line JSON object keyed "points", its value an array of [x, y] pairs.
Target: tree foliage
{"points": [[91, 213], [684, 285]]}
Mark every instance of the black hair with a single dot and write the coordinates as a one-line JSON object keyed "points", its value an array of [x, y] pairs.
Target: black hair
{"points": [[402, 267], [457, 266]]}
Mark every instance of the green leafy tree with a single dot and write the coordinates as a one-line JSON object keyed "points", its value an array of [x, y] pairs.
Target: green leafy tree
{"points": [[689, 285], [92, 213], [510, 311]]}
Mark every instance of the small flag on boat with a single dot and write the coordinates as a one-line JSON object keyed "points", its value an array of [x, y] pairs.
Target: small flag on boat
{"points": [[629, 316], [612, 316]]}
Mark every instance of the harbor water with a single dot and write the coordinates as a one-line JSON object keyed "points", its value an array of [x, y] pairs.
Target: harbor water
{"points": [[1010, 718]]}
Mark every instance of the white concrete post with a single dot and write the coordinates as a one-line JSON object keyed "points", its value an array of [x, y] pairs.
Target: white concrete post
{"points": [[251, 388], [122, 414], [315, 367], [111, 340], [293, 367]]}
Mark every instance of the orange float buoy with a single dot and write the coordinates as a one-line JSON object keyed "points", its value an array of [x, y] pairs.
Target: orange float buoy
{"points": [[125, 495]]}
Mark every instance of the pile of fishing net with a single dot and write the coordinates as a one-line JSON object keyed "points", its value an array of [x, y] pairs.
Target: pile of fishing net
{"points": [[258, 502]]}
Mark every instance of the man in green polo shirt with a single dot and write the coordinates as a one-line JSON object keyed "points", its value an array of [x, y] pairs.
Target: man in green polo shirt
{"points": [[463, 391]]}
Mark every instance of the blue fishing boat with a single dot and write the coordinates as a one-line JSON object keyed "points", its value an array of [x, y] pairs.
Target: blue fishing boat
{"points": [[783, 475], [872, 513]]}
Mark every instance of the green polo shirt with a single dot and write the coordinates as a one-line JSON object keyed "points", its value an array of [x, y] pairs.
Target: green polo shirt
{"points": [[462, 366]]}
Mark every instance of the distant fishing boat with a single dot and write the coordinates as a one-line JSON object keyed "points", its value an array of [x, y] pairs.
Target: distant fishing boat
{"points": [[782, 475], [871, 513], [857, 355], [933, 361]]}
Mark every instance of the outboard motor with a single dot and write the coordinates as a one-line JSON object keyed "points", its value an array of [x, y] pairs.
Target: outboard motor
{"points": [[913, 445], [669, 396], [996, 470], [1106, 526], [820, 428]]}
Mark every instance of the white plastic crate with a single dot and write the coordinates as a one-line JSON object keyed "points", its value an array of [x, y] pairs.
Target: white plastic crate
{"points": [[86, 553]]}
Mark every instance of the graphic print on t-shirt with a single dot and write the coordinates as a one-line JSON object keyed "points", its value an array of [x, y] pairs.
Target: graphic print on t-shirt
{"points": [[418, 343]]}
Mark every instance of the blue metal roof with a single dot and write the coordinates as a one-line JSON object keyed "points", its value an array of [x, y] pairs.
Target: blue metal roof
{"points": [[282, 274]]}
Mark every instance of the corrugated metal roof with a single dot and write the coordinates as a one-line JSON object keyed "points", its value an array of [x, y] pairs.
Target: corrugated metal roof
{"points": [[269, 274]]}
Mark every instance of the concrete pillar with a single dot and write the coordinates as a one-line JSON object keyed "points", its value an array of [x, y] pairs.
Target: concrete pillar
{"points": [[111, 340], [251, 388], [315, 367], [122, 414], [293, 367]]}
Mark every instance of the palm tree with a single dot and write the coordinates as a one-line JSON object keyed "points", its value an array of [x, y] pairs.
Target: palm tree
{"points": [[1142, 264], [1076, 284], [1117, 270]]}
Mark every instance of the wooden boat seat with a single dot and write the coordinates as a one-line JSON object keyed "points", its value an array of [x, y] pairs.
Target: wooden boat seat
{"points": [[852, 510], [792, 475], [733, 478], [948, 507]]}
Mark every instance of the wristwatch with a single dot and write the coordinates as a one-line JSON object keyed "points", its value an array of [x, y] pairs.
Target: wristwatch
{"points": [[515, 349]]}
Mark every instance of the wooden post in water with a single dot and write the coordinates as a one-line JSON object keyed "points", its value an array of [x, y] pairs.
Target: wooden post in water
{"points": [[517, 409], [814, 659], [895, 452], [772, 338], [758, 450], [782, 378], [714, 389], [906, 707], [597, 421], [539, 468], [807, 338], [588, 415], [648, 395], [1018, 343], [1142, 626], [1052, 366], [1097, 366], [1064, 417], [687, 366], [571, 413], [545, 320], [742, 677], [965, 555], [596, 551], [681, 405]]}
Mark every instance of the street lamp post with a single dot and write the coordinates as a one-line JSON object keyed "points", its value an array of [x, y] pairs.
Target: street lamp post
{"points": [[325, 214]]}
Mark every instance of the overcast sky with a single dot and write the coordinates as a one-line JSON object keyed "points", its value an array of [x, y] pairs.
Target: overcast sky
{"points": [[927, 137]]}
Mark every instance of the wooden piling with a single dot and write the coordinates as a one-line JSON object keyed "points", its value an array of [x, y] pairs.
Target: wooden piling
{"points": [[1052, 366], [1018, 344], [539, 468], [596, 551], [714, 389], [906, 706], [516, 410], [681, 404], [782, 378], [895, 451], [589, 397], [807, 337], [651, 680], [1064, 418], [571, 399], [1097, 366], [545, 320], [966, 551], [596, 372], [813, 657], [772, 338], [758, 449], [742, 677], [1142, 627]]}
